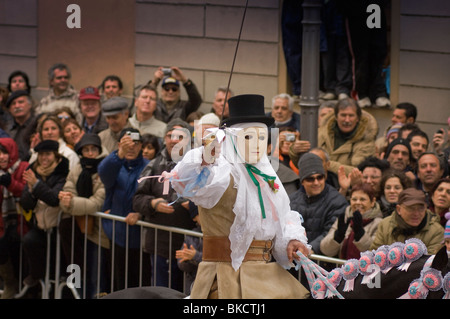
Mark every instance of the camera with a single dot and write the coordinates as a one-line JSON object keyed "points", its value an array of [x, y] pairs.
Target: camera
{"points": [[134, 136], [166, 71], [290, 137], [440, 131]]}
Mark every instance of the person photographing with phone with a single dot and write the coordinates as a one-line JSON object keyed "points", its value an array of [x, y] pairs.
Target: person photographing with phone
{"points": [[170, 105], [441, 145]]}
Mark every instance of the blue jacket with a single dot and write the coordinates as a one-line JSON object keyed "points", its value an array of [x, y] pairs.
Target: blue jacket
{"points": [[120, 179]]}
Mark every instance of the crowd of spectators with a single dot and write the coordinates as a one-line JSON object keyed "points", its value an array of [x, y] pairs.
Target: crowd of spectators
{"points": [[79, 152]]}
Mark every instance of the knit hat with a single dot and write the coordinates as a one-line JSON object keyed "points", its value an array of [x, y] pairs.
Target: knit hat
{"points": [[211, 119], [393, 129], [88, 139], [310, 164], [399, 140], [177, 122], [447, 226]]}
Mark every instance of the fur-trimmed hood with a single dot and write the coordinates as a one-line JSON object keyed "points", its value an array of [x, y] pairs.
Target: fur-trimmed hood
{"points": [[367, 127]]}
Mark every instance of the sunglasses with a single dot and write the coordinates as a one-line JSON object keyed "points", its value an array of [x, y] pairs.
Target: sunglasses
{"points": [[311, 179], [170, 88]]}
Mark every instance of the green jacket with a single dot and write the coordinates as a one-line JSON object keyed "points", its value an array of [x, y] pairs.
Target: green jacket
{"points": [[393, 229]]}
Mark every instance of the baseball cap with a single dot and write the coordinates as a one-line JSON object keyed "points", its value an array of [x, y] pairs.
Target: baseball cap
{"points": [[170, 80], [89, 93]]}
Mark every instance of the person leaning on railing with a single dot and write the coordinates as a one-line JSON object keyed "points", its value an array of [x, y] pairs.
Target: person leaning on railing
{"points": [[45, 179]]}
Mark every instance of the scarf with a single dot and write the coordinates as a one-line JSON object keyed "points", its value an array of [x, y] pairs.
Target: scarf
{"points": [[341, 138], [84, 182], [45, 172], [406, 230]]}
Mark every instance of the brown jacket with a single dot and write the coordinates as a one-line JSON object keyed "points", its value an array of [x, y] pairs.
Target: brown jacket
{"points": [[353, 151]]}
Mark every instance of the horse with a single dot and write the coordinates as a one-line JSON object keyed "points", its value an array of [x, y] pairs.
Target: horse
{"points": [[402, 276]]}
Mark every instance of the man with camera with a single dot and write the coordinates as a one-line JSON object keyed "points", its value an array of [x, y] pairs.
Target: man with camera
{"points": [[119, 172], [170, 105]]}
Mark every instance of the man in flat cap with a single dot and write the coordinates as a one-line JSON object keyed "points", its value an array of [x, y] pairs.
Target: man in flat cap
{"points": [[411, 219], [116, 114], [23, 126]]}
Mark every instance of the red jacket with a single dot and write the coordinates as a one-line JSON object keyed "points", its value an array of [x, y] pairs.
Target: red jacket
{"points": [[15, 168]]}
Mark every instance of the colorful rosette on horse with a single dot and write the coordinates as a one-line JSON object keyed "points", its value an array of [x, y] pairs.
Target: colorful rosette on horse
{"points": [[414, 249], [416, 290], [350, 271], [446, 286], [318, 289], [432, 279], [395, 255], [334, 277], [381, 258], [366, 266]]}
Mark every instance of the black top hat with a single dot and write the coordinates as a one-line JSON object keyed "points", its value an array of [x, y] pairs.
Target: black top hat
{"points": [[247, 108]]}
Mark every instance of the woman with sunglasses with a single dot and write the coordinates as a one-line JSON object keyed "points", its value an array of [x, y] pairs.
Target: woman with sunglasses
{"points": [[354, 231], [318, 203]]}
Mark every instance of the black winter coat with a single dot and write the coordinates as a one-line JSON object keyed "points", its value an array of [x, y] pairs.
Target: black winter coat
{"points": [[318, 212], [150, 189], [47, 190]]}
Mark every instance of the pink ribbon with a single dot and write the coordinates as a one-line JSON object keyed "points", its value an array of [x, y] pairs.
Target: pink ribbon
{"points": [[165, 178]]}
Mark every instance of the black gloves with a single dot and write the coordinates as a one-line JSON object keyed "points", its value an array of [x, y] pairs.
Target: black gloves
{"points": [[342, 226], [358, 225], [5, 179]]}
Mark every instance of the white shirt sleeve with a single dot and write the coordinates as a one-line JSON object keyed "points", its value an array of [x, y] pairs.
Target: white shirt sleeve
{"points": [[203, 185]]}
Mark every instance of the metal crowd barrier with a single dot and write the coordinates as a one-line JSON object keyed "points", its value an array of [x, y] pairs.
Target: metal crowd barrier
{"points": [[53, 287]]}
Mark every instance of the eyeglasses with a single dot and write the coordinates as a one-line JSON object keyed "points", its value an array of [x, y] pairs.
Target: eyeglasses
{"points": [[170, 88], [63, 117], [311, 179]]}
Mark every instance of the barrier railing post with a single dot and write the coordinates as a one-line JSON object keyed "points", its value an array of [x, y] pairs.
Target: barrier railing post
{"points": [[46, 283]]}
